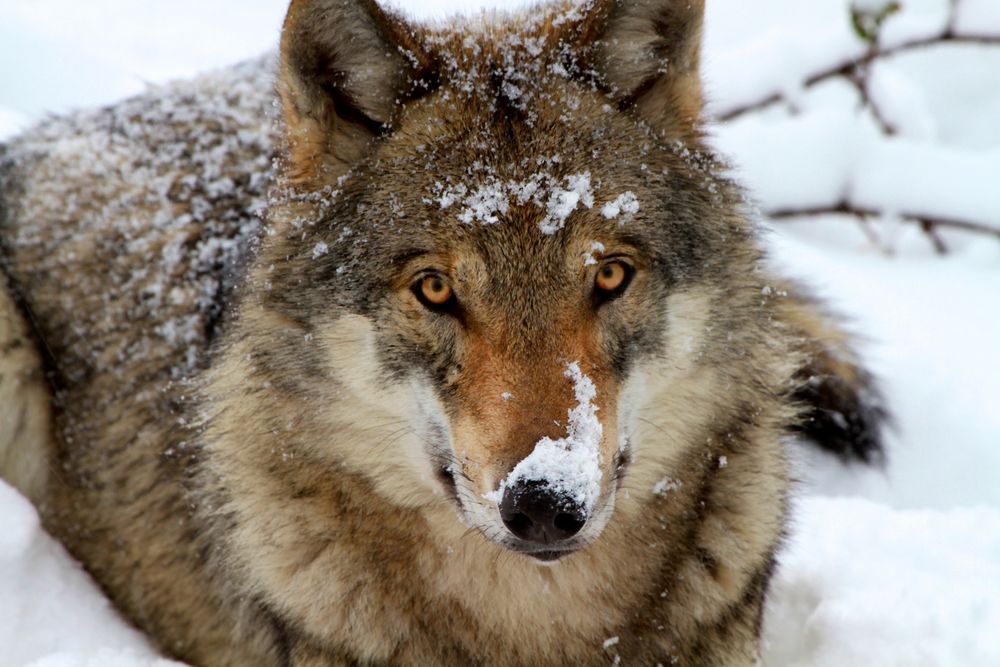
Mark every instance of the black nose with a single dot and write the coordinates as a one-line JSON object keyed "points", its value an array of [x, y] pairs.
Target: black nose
{"points": [[535, 512]]}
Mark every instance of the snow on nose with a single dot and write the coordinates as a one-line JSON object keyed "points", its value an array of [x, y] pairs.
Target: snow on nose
{"points": [[569, 467]]}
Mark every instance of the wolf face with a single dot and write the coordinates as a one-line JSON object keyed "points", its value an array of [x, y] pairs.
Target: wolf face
{"points": [[508, 251]]}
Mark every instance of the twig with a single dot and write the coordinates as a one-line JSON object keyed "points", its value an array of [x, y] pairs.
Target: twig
{"points": [[845, 69], [857, 72], [929, 223], [931, 232], [866, 227]]}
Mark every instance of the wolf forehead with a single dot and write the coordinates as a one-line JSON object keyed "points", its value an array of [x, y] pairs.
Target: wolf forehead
{"points": [[453, 175], [522, 213], [515, 140]]}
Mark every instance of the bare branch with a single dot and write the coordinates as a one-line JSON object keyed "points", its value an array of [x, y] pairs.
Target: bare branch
{"points": [[857, 71], [931, 232], [927, 222], [848, 68]]}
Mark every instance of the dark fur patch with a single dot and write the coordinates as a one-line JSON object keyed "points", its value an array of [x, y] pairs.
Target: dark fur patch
{"points": [[344, 105], [842, 419]]}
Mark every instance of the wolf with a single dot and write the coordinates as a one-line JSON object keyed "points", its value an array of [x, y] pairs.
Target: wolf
{"points": [[469, 357]]}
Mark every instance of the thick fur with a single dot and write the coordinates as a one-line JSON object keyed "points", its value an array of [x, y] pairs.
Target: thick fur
{"points": [[26, 413], [269, 452]]}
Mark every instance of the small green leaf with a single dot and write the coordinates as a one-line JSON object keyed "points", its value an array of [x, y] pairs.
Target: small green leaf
{"points": [[867, 23]]}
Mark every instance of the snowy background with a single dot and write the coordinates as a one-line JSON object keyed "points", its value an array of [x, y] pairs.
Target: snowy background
{"points": [[884, 182]]}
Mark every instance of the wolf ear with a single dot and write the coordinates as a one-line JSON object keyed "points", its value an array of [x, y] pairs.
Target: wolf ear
{"points": [[649, 57], [342, 73]]}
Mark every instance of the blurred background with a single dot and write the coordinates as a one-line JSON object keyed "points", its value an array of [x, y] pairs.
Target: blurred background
{"points": [[868, 133]]}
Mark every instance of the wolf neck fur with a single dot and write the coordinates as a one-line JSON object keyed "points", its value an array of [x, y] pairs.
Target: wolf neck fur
{"points": [[382, 504]]}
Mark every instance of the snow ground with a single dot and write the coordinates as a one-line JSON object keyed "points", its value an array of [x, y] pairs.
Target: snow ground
{"points": [[900, 567]]}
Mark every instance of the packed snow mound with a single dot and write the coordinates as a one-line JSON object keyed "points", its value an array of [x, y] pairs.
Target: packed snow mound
{"points": [[864, 585], [51, 612]]}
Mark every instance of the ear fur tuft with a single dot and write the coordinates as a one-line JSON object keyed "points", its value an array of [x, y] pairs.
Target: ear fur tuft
{"points": [[649, 55], [344, 66]]}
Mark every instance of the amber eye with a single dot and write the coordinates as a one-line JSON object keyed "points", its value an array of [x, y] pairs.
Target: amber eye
{"points": [[611, 276], [434, 292], [612, 279]]}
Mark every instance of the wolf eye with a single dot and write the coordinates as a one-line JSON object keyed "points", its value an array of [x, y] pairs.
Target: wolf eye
{"points": [[612, 279], [434, 292]]}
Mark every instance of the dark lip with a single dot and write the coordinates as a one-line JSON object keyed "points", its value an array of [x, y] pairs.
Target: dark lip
{"points": [[446, 477], [548, 554]]}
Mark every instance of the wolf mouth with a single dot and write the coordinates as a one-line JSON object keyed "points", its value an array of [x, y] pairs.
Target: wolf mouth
{"points": [[446, 476], [548, 555]]}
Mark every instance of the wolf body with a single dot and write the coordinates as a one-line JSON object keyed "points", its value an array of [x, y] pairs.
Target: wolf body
{"points": [[302, 439]]}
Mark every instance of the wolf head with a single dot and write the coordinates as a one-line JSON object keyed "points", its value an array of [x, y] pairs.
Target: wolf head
{"points": [[500, 272]]}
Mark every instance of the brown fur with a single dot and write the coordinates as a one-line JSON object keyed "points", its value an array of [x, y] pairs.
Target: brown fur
{"points": [[306, 488], [27, 414]]}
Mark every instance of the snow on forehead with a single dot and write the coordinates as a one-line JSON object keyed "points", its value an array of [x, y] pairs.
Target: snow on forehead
{"points": [[484, 198], [478, 15], [485, 194], [506, 52]]}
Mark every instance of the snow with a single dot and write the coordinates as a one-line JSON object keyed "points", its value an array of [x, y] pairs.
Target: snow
{"points": [[11, 123], [486, 199], [754, 50], [808, 160], [666, 485], [978, 17], [562, 202], [588, 257], [827, 157], [922, 19], [929, 327], [93, 53], [626, 203], [901, 102], [937, 580], [570, 466], [51, 613], [104, 658], [911, 176], [903, 567], [882, 568], [484, 204], [319, 250], [958, 86]]}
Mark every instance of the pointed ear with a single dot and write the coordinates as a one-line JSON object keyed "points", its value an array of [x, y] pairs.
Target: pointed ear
{"points": [[342, 73], [649, 57]]}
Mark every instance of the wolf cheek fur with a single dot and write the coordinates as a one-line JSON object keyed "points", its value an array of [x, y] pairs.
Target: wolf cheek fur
{"points": [[427, 302]]}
